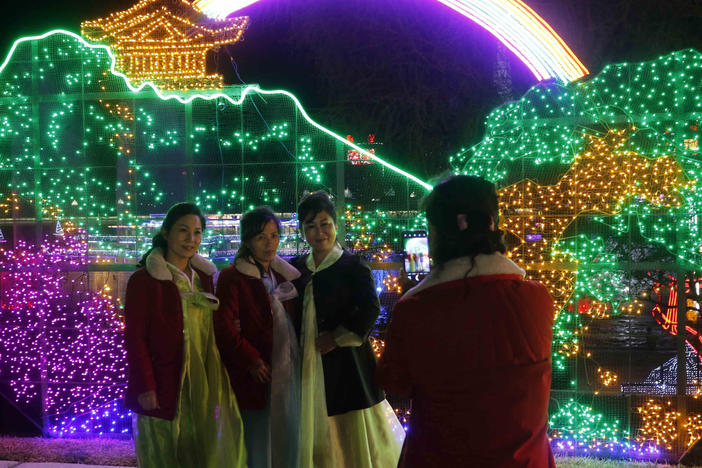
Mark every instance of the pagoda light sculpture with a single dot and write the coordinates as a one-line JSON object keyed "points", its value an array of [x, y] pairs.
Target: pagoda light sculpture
{"points": [[165, 42]]}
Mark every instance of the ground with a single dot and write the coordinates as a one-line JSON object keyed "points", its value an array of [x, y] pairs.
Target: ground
{"points": [[121, 453]]}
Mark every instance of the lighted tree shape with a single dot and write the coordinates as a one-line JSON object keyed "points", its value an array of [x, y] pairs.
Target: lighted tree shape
{"points": [[632, 133], [61, 343]]}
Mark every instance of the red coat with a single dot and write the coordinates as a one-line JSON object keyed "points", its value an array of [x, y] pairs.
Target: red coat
{"points": [[244, 297], [153, 335], [473, 353]]}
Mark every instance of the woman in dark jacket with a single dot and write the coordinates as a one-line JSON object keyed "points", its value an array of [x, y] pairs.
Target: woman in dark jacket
{"points": [[186, 412], [255, 335], [471, 344], [346, 421]]}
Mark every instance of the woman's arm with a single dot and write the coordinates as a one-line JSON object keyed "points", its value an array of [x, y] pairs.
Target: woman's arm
{"points": [[366, 307], [233, 347], [392, 373], [140, 299]]}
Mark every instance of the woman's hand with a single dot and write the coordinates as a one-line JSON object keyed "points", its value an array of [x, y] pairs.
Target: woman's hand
{"points": [[148, 400], [260, 372], [325, 342]]}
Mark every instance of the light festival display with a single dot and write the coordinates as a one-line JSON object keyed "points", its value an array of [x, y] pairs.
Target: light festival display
{"points": [[165, 42], [598, 181], [84, 145], [60, 340], [599, 188]]}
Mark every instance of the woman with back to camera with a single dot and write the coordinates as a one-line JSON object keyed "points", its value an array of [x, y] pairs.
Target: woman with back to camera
{"points": [[346, 421], [186, 412], [471, 343], [256, 337]]}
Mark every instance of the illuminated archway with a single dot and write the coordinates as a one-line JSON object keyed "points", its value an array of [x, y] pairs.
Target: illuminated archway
{"points": [[516, 25]]}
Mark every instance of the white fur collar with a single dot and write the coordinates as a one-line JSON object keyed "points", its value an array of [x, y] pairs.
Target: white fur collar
{"points": [[278, 265], [157, 268], [493, 264]]}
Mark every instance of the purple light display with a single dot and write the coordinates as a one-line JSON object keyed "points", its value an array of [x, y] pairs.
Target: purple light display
{"points": [[60, 340]]}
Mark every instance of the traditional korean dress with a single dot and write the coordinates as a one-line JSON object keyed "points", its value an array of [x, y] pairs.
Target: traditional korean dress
{"points": [[207, 429], [369, 437], [261, 303]]}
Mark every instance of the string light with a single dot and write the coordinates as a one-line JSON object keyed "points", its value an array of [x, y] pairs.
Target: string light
{"points": [[61, 343], [607, 378], [378, 346], [165, 42], [661, 174], [659, 424], [392, 284]]}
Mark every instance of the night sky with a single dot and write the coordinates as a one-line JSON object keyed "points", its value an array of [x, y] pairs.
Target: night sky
{"points": [[413, 72]]}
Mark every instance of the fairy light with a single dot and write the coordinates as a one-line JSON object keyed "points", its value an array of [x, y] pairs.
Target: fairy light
{"points": [[579, 423], [165, 42], [659, 423], [607, 378], [693, 426], [61, 337], [383, 254], [392, 284], [538, 215], [378, 346], [577, 165]]}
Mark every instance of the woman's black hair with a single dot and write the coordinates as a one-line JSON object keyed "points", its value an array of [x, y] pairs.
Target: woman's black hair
{"points": [[312, 205], [461, 210], [252, 224], [176, 212]]}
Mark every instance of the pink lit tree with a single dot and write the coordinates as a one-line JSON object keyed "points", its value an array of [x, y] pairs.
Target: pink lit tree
{"points": [[61, 341]]}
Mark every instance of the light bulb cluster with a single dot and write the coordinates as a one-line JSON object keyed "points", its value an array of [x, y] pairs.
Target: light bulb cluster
{"points": [[165, 42], [61, 343], [378, 346], [660, 423], [392, 284]]}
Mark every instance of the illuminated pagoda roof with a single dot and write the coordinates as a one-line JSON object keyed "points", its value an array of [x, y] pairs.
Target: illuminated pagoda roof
{"points": [[165, 41]]}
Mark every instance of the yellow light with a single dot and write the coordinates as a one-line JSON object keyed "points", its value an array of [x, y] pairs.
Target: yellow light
{"points": [[165, 42], [599, 181], [378, 346]]}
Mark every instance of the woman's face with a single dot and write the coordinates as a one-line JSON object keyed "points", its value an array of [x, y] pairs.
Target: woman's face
{"points": [[320, 233], [184, 237], [264, 245]]}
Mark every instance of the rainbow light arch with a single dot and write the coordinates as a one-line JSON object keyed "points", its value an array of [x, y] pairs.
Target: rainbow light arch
{"points": [[512, 22]]}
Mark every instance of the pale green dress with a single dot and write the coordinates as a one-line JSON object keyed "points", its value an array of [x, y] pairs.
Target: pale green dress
{"points": [[366, 438], [207, 429]]}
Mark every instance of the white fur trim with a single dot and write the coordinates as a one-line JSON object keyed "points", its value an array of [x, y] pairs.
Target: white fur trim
{"points": [[157, 268], [485, 265], [278, 265]]}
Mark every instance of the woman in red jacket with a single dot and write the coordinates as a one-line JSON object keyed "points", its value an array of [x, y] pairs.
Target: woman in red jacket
{"points": [[186, 412], [471, 343], [256, 337]]}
